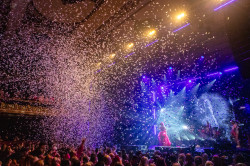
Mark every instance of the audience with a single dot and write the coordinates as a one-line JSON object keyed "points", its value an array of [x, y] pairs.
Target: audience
{"points": [[41, 154]]}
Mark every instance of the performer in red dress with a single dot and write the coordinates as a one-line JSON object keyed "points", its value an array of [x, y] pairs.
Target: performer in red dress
{"points": [[163, 137]]}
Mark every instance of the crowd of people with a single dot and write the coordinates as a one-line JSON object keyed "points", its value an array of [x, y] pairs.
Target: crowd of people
{"points": [[43, 154]]}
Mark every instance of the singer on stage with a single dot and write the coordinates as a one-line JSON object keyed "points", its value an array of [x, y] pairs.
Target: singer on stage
{"points": [[163, 137]]}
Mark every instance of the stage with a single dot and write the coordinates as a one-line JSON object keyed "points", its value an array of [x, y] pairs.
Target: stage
{"points": [[179, 149]]}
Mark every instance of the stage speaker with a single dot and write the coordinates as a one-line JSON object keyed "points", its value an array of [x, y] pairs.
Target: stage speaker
{"points": [[237, 23]]}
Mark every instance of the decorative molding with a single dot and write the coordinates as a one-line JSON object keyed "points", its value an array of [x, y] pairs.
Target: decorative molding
{"points": [[15, 108]]}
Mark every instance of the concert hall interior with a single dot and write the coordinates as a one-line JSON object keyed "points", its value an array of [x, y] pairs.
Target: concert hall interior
{"points": [[124, 82]]}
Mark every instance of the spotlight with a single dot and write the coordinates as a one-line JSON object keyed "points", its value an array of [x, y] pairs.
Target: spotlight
{"points": [[143, 77], [190, 81], [130, 45], [162, 87], [220, 73], [180, 16], [184, 127], [112, 56], [151, 33], [163, 109], [170, 68], [202, 57]]}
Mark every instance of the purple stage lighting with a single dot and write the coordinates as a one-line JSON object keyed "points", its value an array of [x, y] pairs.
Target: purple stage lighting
{"points": [[111, 64], [189, 81], [231, 69], [162, 87], [225, 4], [98, 71], [143, 77], [129, 54], [213, 74], [155, 129], [151, 43], [202, 57], [170, 68], [181, 27]]}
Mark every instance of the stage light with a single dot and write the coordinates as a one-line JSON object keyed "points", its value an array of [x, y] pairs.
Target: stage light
{"points": [[151, 33], [190, 81], [209, 85], [155, 129], [202, 57], [130, 45], [112, 56], [225, 4], [162, 88], [151, 43], [231, 69], [170, 68], [163, 109], [220, 73], [242, 107], [98, 70], [195, 89], [98, 64], [129, 54], [111, 64], [143, 77], [185, 127], [180, 16], [213, 74], [181, 27]]}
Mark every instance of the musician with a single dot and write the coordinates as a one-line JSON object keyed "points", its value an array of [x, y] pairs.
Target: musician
{"points": [[163, 137]]}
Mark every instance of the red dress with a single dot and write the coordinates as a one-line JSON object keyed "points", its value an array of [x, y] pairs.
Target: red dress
{"points": [[163, 138]]}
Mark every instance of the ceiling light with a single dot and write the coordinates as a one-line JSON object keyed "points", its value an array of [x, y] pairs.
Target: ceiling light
{"points": [[130, 45], [180, 16]]}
